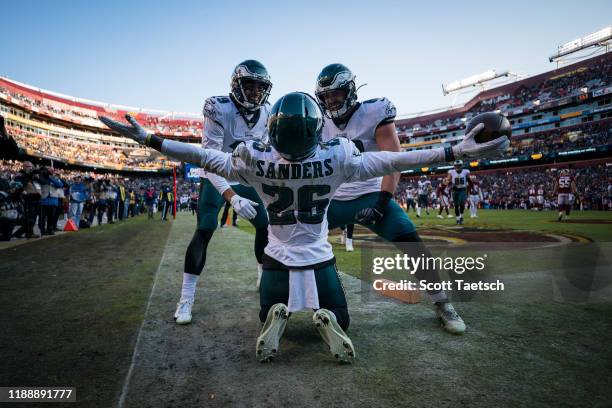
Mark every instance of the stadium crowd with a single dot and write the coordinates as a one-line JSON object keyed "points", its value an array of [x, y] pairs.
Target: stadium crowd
{"points": [[508, 189], [596, 75], [89, 153], [32, 196], [80, 115], [559, 140]]}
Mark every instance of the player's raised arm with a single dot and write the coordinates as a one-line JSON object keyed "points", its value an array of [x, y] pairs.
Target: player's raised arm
{"points": [[376, 164], [211, 160]]}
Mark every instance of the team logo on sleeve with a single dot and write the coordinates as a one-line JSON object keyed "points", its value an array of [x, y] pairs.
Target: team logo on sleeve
{"points": [[390, 110], [209, 110]]}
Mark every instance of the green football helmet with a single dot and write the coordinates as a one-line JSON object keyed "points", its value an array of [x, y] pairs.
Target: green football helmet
{"points": [[336, 77], [295, 126], [247, 75]]}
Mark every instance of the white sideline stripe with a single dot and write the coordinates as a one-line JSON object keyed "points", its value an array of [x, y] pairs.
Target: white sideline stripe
{"points": [[128, 377]]}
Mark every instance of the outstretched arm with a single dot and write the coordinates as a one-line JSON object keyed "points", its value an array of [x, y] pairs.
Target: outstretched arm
{"points": [[210, 160], [376, 164]]}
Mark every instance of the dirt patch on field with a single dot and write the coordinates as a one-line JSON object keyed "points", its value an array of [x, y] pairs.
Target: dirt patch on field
{"points": [[596, 222], [481, 235]]}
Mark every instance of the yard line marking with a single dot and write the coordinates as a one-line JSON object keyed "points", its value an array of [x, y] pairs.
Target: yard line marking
{"points": [[128, 377]]}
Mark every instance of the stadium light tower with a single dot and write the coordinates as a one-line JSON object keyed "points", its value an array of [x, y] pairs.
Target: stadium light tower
{"points": [[481, 81], [600, 39]]}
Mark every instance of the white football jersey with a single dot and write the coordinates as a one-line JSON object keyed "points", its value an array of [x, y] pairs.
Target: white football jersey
{"points": [[459, 180], [297, 194], [424, 187], [410, 193], [225, 127], [361, 129]]}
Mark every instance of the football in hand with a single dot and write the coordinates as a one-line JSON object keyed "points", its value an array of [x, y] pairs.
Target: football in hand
{"points": [[496, 125]]}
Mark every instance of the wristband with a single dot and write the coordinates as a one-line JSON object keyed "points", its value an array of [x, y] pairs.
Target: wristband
{"points": [[154, 142], [383, 199], [449, 155]]}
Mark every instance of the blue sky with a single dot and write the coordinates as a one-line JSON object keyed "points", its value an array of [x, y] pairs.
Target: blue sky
{"points": [[172, 55]]}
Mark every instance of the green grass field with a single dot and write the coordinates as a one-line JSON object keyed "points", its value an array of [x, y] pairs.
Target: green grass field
{"points": [[76, 312]]}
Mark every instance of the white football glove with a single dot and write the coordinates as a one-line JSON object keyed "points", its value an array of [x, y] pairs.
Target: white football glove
{"points": [[244, 207], [134, 132], [469, 149]]}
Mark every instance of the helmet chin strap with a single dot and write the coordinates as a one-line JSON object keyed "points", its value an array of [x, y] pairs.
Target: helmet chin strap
{"points": [[360, 86]]}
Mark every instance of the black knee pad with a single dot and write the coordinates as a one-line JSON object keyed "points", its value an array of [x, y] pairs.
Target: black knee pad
{"points": [[342, 317], [195, 257], [261, 241], [263, 313]]}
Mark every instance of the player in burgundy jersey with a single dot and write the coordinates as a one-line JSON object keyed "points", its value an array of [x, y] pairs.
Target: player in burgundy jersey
{"points": [[540, 197], [474, 195], [565, 187], [531, 193], [443, 195]]}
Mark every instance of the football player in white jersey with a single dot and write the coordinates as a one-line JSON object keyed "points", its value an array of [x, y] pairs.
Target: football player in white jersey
{"points": [[459, 179], [296, 175], [370, 126], [424, 188], [228, 121]]}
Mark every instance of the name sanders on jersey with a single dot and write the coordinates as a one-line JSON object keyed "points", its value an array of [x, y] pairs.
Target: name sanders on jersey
{"points": [[292, 171]]}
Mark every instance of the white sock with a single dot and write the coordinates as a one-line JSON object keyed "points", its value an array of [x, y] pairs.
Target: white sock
{"points": [[189, 286], [437, 297], [349, 241], [419, 211], [259, 274]]}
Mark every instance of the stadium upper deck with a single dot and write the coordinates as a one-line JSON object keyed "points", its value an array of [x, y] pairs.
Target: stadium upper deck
{"points": [[557, 115]]}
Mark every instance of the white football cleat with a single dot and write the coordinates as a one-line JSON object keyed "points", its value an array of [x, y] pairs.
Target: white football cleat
{"points": [[259, 273], [271, 333], [451, 321], [449, 216], [183, 311], [440, 216], [340, 345], [349, 245]]}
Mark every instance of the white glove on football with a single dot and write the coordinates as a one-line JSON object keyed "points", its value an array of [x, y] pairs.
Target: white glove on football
{"points": [[244, 207], [469, 149], [134, 132]]}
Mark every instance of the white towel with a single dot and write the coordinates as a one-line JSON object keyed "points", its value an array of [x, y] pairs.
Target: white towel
{"points": [[302, 290]]}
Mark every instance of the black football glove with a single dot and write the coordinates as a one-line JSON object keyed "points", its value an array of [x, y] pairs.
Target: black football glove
{"points": [[373, 215]]}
